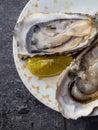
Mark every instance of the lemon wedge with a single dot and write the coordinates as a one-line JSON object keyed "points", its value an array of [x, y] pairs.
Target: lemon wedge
{"points": [[47, 66]]}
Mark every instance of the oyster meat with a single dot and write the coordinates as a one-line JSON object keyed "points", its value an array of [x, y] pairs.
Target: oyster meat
{"points": [[52, 33], [77, 92]]}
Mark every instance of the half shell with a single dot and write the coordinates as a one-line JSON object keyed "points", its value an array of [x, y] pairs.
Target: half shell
{"points": [[52, 33], [77, 92]]}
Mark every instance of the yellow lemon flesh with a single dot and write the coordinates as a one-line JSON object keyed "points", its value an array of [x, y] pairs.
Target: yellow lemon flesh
{"points": [[47, 66]]}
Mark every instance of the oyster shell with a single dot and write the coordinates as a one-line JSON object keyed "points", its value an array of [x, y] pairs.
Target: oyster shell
{"points": [[52, 33], [77, 92]]}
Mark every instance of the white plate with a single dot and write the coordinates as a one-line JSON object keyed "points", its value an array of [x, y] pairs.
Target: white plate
{"points": [[44, 89]]}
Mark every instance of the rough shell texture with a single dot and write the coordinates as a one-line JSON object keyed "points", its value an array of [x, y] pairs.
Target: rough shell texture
{"points": [[54, 33], [77, 91]]}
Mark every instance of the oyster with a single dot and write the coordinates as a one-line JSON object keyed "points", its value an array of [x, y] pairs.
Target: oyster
{"points": [[77, 92], [52, 33]]}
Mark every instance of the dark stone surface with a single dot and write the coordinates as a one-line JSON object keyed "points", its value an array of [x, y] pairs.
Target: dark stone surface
{"points": [[19, 110]]}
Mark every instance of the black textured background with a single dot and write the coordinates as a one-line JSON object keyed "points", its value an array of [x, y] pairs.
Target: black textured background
{"points": [[19, 110]]}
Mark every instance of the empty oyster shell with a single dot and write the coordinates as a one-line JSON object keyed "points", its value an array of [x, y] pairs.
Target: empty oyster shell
{"points": [[52, 33], [77, 92]]}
